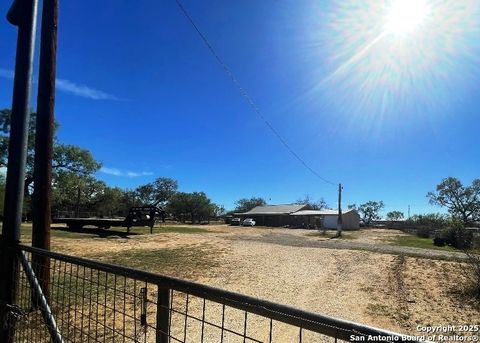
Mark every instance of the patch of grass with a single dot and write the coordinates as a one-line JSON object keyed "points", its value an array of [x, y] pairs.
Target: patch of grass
{"points": [[418, 242], [182, 262], [332, 234], [178, 229], [26, 233], [64, 232]]}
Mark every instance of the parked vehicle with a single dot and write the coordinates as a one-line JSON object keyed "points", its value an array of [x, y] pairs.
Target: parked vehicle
{"points": [[248, 222], [235, 221]]}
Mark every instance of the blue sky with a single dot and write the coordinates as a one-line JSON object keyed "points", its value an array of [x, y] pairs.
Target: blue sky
{"points": [[389, 120]]}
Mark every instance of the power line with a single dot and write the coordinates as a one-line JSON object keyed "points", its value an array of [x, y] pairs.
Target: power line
{"points": [[244, 93]]}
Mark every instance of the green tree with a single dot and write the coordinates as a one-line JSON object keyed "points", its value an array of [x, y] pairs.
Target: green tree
{"points": [[76, 193], [194, 206], [315, 205], [157, 192], [244, 204], [110, 202], [462, 202], [130, 198], [426, 224], [5, 120], [370, 211], [145, 194], [66, 157], [395, 215], [218, 210], [73, 159]]}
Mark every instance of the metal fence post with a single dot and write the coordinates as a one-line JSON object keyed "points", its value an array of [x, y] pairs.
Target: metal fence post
{"points": [[22, 14], [163, 315]]}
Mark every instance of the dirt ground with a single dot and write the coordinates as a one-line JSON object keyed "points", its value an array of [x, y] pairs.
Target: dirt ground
{"points": [[387, 290]]}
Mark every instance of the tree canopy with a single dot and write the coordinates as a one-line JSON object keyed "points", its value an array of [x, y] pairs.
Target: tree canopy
{"points": [[320, 204], [194, 206], [395, 215], [370, 211], [462, 202], [76, 193], [158, 191], [65, 157], [245, 205], [76, 190]]}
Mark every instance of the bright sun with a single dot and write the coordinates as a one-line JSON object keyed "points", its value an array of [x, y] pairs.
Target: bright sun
{"points": [[404, 16]]}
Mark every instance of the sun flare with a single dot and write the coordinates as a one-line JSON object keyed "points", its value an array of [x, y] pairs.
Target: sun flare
{"points": [[405, 16], [392, 56]]}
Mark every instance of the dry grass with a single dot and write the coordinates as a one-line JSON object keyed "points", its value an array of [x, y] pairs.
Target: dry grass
{"points": [[384, 290]]}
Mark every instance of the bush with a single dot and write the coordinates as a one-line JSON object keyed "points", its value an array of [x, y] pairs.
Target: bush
{"points": [[456, 236], [462, 238], [439, 242], [424, 231], [426, 225]]}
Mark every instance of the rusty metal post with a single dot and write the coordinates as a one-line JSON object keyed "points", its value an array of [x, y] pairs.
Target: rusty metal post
{"points": [[42, 172], [163, 315], [23, 14]]}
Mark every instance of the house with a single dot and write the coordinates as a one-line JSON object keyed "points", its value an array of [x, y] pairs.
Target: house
{"points": [[301, 216], [327, 219], [272, 215]]}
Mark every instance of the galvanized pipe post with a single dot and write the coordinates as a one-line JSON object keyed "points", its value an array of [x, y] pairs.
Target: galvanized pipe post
{"points": [[55, 335], [22, 14], [45, 127]]}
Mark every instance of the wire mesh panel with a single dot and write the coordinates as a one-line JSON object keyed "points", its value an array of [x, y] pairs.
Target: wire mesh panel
{"points": [[87, 301], [89, 306]]}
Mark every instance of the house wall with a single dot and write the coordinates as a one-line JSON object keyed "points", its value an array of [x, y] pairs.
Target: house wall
{"points": [[330, 222], [269, 220], [351, 221]]}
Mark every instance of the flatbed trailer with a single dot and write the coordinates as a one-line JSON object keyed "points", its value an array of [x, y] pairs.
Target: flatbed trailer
{"points": [[137, 216], [79, 223]]}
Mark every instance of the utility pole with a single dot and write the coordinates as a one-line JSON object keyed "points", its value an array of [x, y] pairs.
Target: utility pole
{"points": [[42, 172], [408, 211], [339, 219], [22, 14]]}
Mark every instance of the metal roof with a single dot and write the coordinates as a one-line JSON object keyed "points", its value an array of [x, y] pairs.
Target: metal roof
{"points": [[319, 212], [275, 209]]}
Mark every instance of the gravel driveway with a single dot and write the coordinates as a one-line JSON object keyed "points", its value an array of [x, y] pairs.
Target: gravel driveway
{"points": [[311, 242], [363, 279]]}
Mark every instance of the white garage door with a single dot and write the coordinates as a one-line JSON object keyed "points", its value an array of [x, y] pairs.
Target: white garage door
{"points": [[330, 222]]}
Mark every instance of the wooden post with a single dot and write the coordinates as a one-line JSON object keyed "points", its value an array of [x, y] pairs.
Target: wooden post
{"points": [[45, 126], [339, 219], [163, 315]]}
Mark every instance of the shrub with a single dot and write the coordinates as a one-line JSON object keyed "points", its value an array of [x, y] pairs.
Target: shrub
{"points": [[439, 242], [456, 236], [462, 238], [424, 231], [426, 225]]}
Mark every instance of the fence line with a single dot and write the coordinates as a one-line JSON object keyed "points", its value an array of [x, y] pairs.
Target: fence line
{"points": [[89, 301]]}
